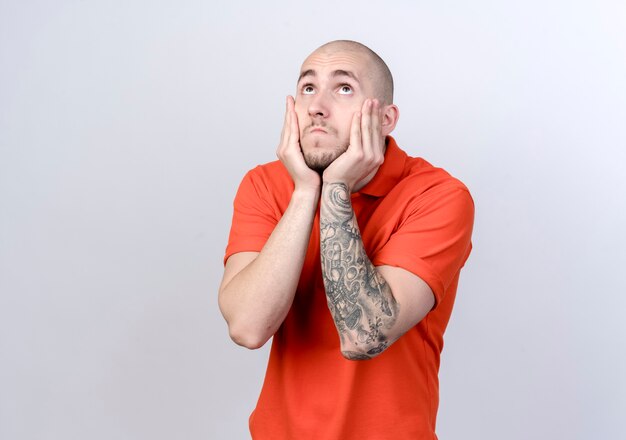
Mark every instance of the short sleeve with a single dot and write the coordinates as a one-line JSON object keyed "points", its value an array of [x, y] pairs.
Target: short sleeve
{"points": [[433, 239], [254, 218]]}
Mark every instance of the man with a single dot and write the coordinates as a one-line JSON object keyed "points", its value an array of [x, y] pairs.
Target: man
{"points": [[348, 252]]}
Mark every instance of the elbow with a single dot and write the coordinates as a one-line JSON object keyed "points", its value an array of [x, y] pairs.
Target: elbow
{"points": [[247, 338], [352, 355], [363, 353], [242, 334]]}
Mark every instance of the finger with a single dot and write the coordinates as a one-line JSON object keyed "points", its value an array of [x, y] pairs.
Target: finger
{"points": [[366, 125], [294, 126], [376, 128], [283, 132], [287, 123], [286, 109], [355, 131], [376, 108]]}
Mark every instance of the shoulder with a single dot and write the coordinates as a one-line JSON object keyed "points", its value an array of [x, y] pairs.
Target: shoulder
{"points": [[269, 182], [271, 173], [422, 181]]}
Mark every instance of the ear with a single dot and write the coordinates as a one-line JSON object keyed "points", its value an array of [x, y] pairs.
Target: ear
{"points": [[391, 114]]}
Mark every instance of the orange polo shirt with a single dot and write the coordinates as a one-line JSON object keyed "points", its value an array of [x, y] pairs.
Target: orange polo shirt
{"points": [[411, 215]]}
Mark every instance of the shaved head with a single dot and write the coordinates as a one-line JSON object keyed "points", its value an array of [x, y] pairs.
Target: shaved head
{"points": [[378, 70], [337, 81]]}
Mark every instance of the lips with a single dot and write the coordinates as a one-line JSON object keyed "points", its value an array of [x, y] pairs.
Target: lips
{"points": [[317, 130]]}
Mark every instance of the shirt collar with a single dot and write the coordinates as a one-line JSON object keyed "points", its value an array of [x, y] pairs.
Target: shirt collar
{"points": [[389, 172]]}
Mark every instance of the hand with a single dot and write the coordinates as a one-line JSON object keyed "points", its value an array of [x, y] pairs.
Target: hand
{"points": [[358, 164], [290, 153]]}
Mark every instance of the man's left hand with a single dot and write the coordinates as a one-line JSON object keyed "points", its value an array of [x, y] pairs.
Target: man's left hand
{"points": [[365, 153]]}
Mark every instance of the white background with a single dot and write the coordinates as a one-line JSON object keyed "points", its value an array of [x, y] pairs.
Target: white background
{"points": [[126, 126]]}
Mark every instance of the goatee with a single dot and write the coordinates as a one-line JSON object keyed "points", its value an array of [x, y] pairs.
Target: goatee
{"points": [[320, 160]]}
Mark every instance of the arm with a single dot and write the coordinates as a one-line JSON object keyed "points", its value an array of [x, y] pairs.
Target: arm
{"points": [[371, 306], [257, 289]]}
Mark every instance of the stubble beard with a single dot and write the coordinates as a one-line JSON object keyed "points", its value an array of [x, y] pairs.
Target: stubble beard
{"points": [[318, 157], [319, 161]]}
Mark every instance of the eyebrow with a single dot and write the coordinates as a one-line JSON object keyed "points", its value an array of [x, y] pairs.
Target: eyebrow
{"points": [[339, 72]]}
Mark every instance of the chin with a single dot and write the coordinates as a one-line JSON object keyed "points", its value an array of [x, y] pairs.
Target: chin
{"points": [[320, 161], [319, 154]]}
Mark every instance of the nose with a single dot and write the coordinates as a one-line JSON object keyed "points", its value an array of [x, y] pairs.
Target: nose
{"points": [[318, 106]]}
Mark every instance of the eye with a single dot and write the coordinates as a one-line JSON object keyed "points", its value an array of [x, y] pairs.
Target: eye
{"points": [[345, 89], [308, 89]]}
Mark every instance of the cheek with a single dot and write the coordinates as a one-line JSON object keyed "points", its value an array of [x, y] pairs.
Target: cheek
{"points": [[346, 121]]}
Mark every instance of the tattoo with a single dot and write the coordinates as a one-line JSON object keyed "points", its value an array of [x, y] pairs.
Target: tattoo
{"points": [[354, 356], [359, 299]]}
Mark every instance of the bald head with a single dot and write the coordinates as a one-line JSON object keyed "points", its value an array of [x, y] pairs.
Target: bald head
{"points": [[377, 69]]}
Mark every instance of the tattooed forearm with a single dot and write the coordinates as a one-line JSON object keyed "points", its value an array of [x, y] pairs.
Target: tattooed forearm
{"points": [[359, 299]]}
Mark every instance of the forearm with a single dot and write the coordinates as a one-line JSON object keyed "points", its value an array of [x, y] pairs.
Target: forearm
{"points": [[360, 301], [257, 299]]}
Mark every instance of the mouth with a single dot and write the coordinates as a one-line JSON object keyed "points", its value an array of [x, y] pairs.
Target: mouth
{"points": [[313, 130]]}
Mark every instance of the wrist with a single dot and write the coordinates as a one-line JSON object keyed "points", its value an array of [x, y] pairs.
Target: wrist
{"points": [[308, 184], [327, 182], [304, 193]]}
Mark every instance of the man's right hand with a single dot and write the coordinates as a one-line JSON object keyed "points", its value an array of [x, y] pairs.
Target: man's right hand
{"points": [[290, 153]]}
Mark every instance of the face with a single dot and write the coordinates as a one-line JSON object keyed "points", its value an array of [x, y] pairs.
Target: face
{"points": [[331, 88]]}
